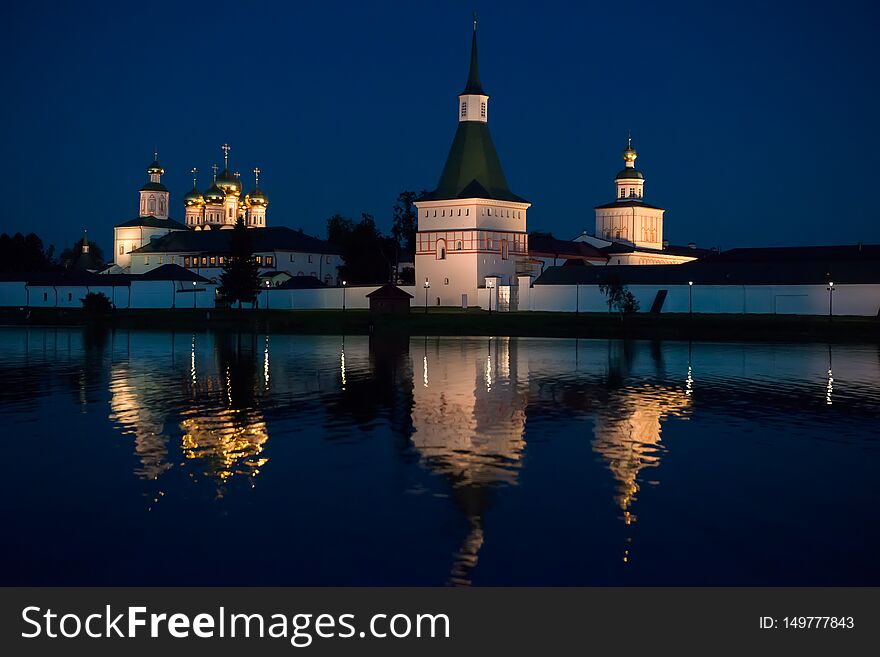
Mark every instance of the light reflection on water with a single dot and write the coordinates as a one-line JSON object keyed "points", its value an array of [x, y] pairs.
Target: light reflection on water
{"points": [[438, 460]]}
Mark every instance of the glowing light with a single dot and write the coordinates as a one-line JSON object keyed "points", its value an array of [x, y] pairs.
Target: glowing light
{"points": [[689, 382], [342, 368], [425, 365], [829, 389]]}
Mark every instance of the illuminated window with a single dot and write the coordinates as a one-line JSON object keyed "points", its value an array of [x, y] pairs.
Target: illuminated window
{"points": [[213, 260], [186, 261], [259, 260], [222, 260], [622, 192], [229, 213], [269, 261], [204, 261]]}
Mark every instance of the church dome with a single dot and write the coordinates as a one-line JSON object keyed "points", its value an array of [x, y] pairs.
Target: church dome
{"points": [[258, 198], [629, 174], [155, 169], [193, 197], [228, 183], [214, 195]]}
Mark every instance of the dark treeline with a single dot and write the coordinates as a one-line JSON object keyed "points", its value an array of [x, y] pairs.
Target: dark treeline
{"points": [[370, 256], [26, 253]]}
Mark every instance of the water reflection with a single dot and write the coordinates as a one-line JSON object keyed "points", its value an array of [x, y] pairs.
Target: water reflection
{"points": [[458, 419]]}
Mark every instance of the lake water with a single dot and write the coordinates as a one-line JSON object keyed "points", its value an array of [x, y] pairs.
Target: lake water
{"points": [[172, 458]]}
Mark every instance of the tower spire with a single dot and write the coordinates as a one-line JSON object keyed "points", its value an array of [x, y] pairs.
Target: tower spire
{"points": [[85, 244], [474, 87], [226, 148], [194, 171], [256, 177], [214, 167]]}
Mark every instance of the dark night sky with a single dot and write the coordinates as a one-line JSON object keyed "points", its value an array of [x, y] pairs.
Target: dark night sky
{"points": [[751, 119]]}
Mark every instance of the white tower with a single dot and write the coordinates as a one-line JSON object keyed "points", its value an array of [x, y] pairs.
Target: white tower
{"points": [[628, 219], [154, 195], [230, 185], [471, 227]]}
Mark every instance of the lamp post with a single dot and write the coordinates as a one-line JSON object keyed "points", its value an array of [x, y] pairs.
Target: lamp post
{"points": [[344, 283], [577, 298], [490, 285], [691, 298], [427, 287], [194, 294], [267, 295], [830, 289]]}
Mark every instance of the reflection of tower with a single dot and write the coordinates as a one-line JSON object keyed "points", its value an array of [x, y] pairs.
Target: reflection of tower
{"points": [[468, 418], [138, 417]]}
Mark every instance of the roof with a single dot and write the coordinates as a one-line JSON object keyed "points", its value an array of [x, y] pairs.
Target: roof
{"points": [[555, 247], [171, 273], [153, 222], [780, 266], [300, 283], [86, 278], [389, 291], [621, 247], [472, 168], [154, 187], [474, 86], [627, 203], [629, 172], [274, 238]]}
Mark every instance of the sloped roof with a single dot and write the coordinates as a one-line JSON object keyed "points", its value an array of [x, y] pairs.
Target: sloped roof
{"points": [[153, 222], [718, 271], [275, 238], [473, 85], [389, 291], [300, 283], [472, 168], [171, 273], [552, 246]]}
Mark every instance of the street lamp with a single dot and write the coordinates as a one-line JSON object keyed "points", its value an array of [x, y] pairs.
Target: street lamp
{"points": [[830, 289], [691, 298], [490, 285], [344, 283], [267, 295], [427, 287], [194, 294]]}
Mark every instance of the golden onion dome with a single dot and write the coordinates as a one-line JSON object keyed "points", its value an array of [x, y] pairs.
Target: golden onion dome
{"points": [[228, 183], [193, 197], [258, 198], [155, 169], [214, 195], [629, 154]]}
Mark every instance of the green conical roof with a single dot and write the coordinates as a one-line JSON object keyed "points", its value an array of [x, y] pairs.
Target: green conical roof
{"points": [[473, 169], [474, 86]]}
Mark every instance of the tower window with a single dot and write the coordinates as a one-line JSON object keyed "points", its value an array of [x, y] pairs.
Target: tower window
{"points": [[463, 109], [121, 249], [622, 192], [483, 110]]}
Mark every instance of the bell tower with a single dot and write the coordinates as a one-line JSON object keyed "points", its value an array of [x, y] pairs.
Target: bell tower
{"points": [[154, 195]]}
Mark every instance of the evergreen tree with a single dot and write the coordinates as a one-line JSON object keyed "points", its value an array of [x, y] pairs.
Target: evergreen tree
{"points": [[240, 278]]}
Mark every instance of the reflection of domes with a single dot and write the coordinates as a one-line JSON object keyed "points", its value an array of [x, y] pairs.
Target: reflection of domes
{"points": [[194, 197], [228, 183], [214, 194]]}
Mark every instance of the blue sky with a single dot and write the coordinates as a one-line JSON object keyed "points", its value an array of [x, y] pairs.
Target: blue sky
{"points": [[754, 122]]}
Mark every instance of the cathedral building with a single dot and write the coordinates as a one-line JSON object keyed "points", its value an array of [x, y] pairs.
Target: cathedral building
{"points": [[203, 242], [471, 228]]}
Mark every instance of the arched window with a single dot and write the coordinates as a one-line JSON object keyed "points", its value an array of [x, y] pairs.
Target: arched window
{"points": [[441, 249], [504, 250], [152, 204], [458, 246]]}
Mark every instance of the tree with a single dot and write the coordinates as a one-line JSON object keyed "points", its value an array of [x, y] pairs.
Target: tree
{"points": [[368, 255], [541, 234], [96, 304], [24, 253], [240, 278], [619, 298], [404, 221]]}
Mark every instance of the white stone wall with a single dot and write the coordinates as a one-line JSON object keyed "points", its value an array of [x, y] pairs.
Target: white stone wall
{"points": [[327, 298], [861, 300]]}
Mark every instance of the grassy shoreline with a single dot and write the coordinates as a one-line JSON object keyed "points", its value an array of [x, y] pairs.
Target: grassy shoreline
{"points": [[450, 321]]}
